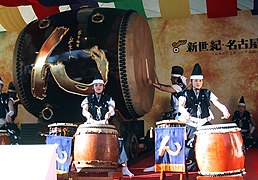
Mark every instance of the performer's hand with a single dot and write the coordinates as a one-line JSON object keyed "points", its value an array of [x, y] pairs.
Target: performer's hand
{"points": [[90, 121], [149, 81], [8, 118], [107, 116], [226, 115]]}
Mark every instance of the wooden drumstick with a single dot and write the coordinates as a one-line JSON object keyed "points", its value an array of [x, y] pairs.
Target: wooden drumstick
{"points": [[156, 75], [147, 69], [151, 132]]}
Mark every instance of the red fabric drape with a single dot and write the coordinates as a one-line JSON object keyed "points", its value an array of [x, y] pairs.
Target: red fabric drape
{"points": [[43, 11], [221, 8], [14, 3]]}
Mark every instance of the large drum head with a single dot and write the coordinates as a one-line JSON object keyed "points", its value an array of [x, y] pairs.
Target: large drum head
{"points": [[58, 57]]}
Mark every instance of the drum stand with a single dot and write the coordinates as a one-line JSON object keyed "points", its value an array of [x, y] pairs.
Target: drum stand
{"points": [[74, 175], [162, 175], [172, 123]]}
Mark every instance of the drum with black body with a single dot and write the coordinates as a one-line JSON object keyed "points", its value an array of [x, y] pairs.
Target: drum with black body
{"points": [[56, 59]]}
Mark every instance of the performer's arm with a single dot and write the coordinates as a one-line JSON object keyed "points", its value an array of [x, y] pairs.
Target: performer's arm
{"points": [[162, 87], [185, 115], [220, 106], [252, 124], [111, 109], [85, 111], [10, 113], [234, 118]]}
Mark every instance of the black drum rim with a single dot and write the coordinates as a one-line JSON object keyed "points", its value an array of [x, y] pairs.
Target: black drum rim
{"points": [[122, 65]]}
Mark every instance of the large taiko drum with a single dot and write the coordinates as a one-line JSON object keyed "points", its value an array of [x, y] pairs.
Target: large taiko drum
{"points": [[4, 138], [96, 148], [56, 59], [219, 150]]}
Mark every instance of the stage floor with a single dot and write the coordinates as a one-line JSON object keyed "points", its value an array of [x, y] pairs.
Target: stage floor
{"points": [[136, 166]]}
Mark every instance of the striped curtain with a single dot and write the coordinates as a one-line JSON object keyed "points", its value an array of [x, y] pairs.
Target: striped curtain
{"points": [[255, 10], [43, 11], [221, 8], [11, 19], [136, 5], [175, 9]]}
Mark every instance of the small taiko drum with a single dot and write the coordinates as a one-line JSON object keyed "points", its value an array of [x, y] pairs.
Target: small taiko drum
{"points": [[62, 129], [4, 137], [96, 148], [219, 150], [170, 123]]}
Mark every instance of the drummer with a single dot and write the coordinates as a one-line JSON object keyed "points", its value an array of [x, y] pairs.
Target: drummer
{"points": [[178, 86], [244, 120], [98, 107], [194, 107], [178, 82], [6, 107]]}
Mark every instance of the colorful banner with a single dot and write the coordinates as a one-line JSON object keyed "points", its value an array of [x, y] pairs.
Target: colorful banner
{"points": [[84, 3], [74, 4], [136, 5], [63, 151], [43, 11], [175, 9], [11, 19], [255, 10], [221, 8], [170, 149], [14, 3]]}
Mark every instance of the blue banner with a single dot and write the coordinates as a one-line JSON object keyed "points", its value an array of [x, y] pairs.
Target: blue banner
{"points": [[170, 149], [72, 3], [63, 151], [255, 9]]}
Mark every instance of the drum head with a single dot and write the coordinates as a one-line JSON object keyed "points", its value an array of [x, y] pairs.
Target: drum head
{"points": [[3, 131], [62, 125], [170, 122], [136, 65], [96, 128], [227, 127]]}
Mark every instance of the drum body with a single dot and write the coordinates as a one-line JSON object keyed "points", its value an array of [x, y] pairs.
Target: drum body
{"points": [[4, 137], [56, 60], [62, 129], [219, 150], [96, 148]]}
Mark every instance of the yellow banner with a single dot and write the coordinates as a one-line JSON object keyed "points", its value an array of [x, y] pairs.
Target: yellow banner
{"points": [[11, 19], [174, 9]]}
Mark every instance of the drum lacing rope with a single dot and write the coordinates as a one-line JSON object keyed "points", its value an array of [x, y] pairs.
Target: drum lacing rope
{"points": [[18, 71], [228, 173], [216, 128], [97, 128], [122, 65]]}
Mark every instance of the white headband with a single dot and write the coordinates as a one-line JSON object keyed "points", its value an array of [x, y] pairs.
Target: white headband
{"points": [[196, 77], [97, 81], [176, 75]]}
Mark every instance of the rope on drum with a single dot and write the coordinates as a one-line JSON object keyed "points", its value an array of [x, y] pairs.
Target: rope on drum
{"points": [[122, 64]]}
